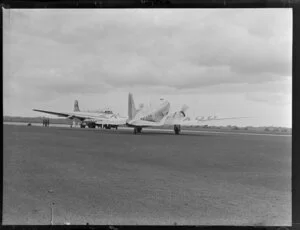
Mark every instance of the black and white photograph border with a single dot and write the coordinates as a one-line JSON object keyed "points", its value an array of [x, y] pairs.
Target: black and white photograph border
{"points": [[132, 66]]}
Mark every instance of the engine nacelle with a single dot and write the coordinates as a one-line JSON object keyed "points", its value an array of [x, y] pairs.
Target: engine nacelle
{"points": [[179, 114]]}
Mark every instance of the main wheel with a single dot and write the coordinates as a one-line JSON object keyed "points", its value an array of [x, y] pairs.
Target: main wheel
{"points": [[106, 126], [92, 126], [82, 126], [177, 129], [139, 129]]}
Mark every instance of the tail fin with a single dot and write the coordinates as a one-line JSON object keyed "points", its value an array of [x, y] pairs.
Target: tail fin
{"points": [[131, 107], [76, 106]]}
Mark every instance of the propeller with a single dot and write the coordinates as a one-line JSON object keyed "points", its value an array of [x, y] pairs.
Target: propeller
{"points": [[184, 108]]}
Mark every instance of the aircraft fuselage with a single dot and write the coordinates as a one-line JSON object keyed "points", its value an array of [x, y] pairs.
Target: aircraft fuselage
{"points": [[154, 115]]}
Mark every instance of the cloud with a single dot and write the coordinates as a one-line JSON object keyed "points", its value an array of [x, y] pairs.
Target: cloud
{"points": [[269, 98], [52, 53], [145, 48]]}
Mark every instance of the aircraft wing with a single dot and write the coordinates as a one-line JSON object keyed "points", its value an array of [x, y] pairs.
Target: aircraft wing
{"points": [[99, 119], [218, 119], [62, 114], [53, 113], [195, 123]]}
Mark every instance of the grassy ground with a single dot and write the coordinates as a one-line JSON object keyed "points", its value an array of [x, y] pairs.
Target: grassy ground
{"points": [[114, 177]]}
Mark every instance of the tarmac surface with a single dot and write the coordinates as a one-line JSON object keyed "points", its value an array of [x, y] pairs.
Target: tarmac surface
{"points": [[113, 177]]}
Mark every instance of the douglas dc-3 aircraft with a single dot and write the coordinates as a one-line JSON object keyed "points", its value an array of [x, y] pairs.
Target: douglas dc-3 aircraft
{"points": [[106, 119], [160, 116]]}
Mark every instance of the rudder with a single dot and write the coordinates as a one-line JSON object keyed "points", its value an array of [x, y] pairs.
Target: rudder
{"points": [[76, 106], [131, 107]]}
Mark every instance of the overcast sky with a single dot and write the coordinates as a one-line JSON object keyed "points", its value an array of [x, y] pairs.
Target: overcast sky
{"points": [[226, 62]]}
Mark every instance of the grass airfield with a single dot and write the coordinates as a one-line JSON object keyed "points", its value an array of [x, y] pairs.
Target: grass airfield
{"points": [[115, 177]]}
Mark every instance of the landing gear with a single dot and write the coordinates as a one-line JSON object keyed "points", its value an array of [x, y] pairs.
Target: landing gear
{"points": [[92, 125], [106, 126], [75, 124], [177, 129], [82, 126], [137, 130]]}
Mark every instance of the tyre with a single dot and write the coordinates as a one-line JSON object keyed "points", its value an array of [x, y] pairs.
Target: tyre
{"points": [[176, 129]]}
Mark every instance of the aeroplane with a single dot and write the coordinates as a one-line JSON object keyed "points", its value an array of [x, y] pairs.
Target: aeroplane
{"points": [[106, 119], [146, 116], [159, 116]]}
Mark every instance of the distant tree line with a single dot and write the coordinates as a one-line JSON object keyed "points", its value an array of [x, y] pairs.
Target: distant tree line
{"points": [[36, 120], [228, 127]]}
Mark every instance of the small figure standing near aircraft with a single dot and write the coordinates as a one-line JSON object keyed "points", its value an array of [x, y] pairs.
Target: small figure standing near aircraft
{"points": [[46, 122]]}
